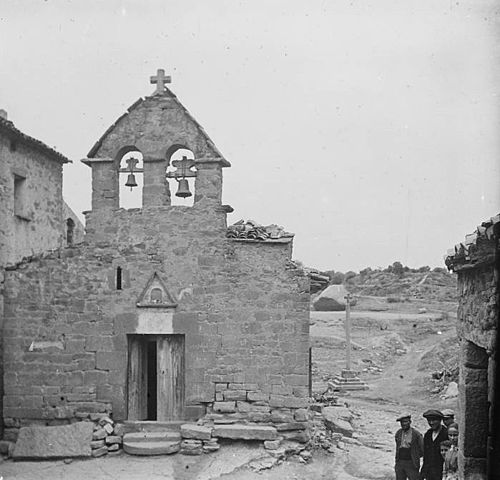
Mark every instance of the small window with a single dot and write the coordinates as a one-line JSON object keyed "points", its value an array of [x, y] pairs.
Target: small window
{"points": [[118, 278], [70, 231], [20, 196], [156, 295]]}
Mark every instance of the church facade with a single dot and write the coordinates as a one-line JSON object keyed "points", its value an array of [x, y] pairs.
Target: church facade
{"points": [[158, 315]]}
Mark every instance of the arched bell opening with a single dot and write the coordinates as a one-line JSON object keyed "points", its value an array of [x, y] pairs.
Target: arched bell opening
{"points": [[129, 163], [181, 174]]}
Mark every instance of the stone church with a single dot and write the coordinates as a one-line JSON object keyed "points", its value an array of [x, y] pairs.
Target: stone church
{"points": [[159, 314]]}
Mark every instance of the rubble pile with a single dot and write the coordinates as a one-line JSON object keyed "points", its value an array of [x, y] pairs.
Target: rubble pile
{"points": [[332, 428], [107, 436], [252, 230]]}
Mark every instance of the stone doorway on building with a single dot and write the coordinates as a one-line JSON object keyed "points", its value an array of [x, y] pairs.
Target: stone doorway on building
{"points": [[156, 373]]}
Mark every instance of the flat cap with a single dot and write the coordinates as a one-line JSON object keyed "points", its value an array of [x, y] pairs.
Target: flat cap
{"points": [[448, 413], [402, 417], [432, 414]]}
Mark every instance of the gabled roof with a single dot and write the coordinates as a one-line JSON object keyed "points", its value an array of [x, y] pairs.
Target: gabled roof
{"points": [[93, 151], [7, 127], [478, 248]]}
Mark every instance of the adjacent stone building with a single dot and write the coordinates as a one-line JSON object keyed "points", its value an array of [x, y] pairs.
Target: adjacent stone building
{"points": [[476, 261], [33, 215], [158, 315]]}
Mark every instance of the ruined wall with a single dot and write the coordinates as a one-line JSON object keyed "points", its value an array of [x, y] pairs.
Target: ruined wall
{"points": [[78, 229], [477, 329], [33, 226], [244, 313]]}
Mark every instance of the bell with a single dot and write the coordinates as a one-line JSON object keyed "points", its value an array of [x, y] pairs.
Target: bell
{"points": [[183, 190], [131, 181]]}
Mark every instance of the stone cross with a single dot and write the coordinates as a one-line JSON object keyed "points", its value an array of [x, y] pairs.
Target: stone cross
{"points": [[160, 79], [348, 299]]}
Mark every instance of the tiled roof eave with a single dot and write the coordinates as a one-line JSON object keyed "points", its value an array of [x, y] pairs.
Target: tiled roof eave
{"points": [[12, 132], [479, 248]]}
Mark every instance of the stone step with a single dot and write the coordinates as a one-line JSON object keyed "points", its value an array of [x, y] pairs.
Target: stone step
{"points": [[151, 426], [151, 448], [147, 437], [245, 432]]}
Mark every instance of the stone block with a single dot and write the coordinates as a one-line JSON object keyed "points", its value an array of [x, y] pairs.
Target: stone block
{"points": [[281, 416], [99, 434], [5, 447], [272, 444], [224, 407], [68, 441], [295, 402], [220, 387], [245, 432], [100, 452], [250, 386], [113, 439], [342, 413], [259, 417], [301, 415], [114, 447], [281, 389], [197, 432], [473, 356], [108, 428], [257, 396], [291, 426], [191, 447], [277, 401], [236, 386], [339, 426], [301, 436], [97, 444], [230, 395]]}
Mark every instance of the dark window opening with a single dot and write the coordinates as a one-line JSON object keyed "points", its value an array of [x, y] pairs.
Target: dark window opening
{"points": [[118, 278], [19, 196], [70, 227]]}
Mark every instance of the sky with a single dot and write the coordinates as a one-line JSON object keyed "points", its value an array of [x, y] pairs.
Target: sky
{"points": [[370, 129]]}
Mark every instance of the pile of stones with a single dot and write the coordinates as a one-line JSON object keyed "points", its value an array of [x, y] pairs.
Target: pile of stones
{"points": [[197, 439], [107, 437]]}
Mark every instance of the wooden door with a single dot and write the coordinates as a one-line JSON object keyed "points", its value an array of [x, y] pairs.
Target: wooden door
{"points": [[170, 371], [137, 379]]}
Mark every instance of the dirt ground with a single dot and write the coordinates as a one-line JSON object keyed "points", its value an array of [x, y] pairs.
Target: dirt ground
{"points": [[392, 343]]}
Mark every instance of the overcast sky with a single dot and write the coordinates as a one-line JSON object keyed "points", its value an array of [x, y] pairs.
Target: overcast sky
{"points": [[370, 129]]}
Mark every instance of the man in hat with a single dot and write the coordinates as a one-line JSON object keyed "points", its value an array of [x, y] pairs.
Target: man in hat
{"points": [[432, 468], [448, 417], [409, 449]]}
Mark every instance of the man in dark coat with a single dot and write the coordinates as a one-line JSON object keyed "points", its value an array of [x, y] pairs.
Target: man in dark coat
{"points": [[432, 468], [409, 449]]}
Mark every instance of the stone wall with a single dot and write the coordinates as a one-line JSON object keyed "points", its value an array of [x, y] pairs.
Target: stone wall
{"points": [[36, 226], [477, 329], [243, 309], [32, 224]]}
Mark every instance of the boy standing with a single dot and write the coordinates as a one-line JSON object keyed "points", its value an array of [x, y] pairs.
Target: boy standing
{"points": [[432, 468]]}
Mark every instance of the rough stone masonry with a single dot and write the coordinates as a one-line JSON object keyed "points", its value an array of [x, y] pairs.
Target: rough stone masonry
{"points": [[157, 315], [476, 262]]}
